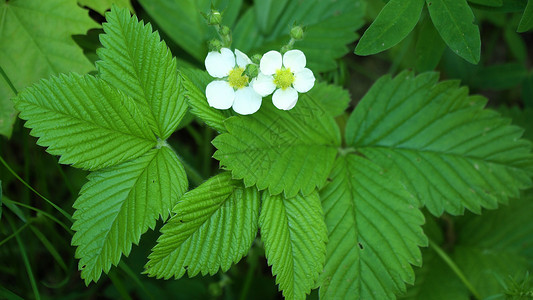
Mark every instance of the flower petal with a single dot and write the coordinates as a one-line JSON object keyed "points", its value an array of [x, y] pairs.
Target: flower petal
{"points": [[304, 80], [270, 62], [247, 101], [285, 99], [220, 94], [218, 64], [294, 60], [242, 59], [263, 84]]}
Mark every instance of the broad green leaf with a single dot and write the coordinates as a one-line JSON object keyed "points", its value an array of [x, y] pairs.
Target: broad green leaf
{"points": [[444, 147], [26, 51], [86, 121], [496, 245], [374, 232], [429, 47], [506, 6], [136, 61], [520, 117], [213, 227], [295, 236], [195, 82], [284, 151], [329, 28], [120, 203], [267, 12], [333, 98], [454, 21], [101, 6], [495, 3], [516, 45], [499, 76], [526, 23], [395, 21], [183, 23]]}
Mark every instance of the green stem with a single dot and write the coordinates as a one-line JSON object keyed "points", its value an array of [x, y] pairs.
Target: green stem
{"points": [[454, 268], [7, 201], [26, 261], [64, 213], [14, 233], [8, 81], [252, 259]]}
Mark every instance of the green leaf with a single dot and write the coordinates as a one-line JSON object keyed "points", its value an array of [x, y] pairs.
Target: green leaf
{"points": [[267, 12], [328, 29], [120, 203], [195, 82], [395, 21], [494, 3], [526, 23], [183, 23], [213, 227], [136, 61], [429, 47], [295, 236], [101, 6], [284, 151], [506, 6], [333, 98], [516, 45], [374, 232], [499, 76], [445, 148], [27, 55], [498, 244], [90, 124], [520, 117], [454, 21], [435, 281]]}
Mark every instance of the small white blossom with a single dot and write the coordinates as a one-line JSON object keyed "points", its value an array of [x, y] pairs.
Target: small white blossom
{"points": [[233, 89], [285, 76]]}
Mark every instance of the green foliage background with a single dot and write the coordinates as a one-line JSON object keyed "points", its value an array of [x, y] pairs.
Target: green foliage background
{"points": [[380, 183]]}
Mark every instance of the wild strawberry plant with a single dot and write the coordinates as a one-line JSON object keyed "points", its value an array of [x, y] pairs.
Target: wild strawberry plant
{"points": [[342, 200]]}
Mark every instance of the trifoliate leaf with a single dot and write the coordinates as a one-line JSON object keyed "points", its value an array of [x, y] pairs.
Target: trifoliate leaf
{"points": [[329, 28], [295, 236], [120, 203], [36, 43], [374, 231], [395, 21], [444, 147], [183, 22], [101, 6], [454, 21], [136, 61], [284, 151], [195, 82], [86, 121], [213, 227], [496, 245]]}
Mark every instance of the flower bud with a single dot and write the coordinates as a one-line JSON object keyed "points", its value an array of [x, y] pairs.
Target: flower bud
{"points": [[252, 70], [215, 45], [224, 31], [214, 17], [297, 32]]}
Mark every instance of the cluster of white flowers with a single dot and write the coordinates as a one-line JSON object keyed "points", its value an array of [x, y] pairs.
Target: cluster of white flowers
{"points": [[285, 76]]}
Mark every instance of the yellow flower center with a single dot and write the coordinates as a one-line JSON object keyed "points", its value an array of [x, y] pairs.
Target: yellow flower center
{"points": [[283, 78], [236, 79]]}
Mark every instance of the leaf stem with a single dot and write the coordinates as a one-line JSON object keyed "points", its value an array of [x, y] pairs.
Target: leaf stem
{"points": [[454, 268]]}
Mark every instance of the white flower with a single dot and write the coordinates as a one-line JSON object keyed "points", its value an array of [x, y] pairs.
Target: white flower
{"points": [[287, 76], [234, 89]]}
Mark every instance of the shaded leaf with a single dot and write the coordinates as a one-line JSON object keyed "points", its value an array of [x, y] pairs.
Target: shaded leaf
{"points": [[526, 23]]}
